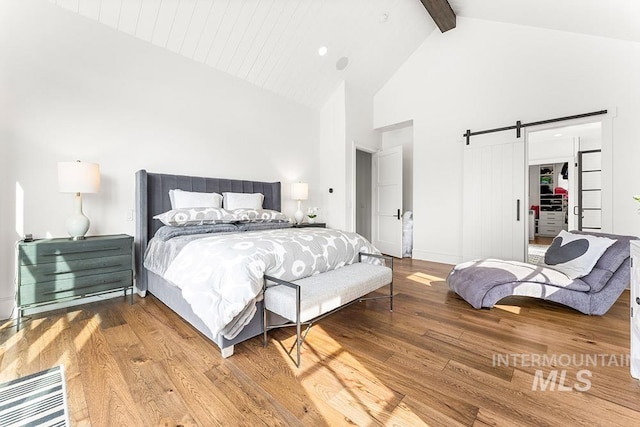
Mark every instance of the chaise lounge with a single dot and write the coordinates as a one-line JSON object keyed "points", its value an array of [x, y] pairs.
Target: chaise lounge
{"points": [[605, 264]]}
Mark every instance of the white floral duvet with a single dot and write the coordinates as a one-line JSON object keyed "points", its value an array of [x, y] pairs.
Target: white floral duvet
{"points": [[221, 276]]}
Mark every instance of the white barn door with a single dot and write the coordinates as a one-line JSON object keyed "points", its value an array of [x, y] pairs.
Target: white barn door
{"points": [[387, 227], [495, 215]]}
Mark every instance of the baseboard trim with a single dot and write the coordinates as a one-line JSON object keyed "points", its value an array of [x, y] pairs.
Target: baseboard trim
{"points": [[436, 257]]}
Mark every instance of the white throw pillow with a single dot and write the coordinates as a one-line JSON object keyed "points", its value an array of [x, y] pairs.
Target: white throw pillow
{"points": [[243, 200], [190, 199], [576, 254]]}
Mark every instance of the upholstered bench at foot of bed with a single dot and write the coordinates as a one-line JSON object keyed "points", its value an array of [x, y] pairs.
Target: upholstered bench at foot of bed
{"points": [[307, 300]]}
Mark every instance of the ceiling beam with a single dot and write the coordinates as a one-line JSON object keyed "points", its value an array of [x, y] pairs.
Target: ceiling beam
{"points": [[441, 13]]}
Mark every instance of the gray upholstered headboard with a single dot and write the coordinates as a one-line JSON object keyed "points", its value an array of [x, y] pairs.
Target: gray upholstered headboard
{"points": [[152, 198]]}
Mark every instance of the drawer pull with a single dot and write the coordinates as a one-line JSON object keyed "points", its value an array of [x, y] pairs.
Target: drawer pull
{"points": [[55, 273], [83, 252], [82, 287]]}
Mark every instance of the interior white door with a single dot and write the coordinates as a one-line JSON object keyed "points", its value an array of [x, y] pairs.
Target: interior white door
{"points": [[494, 206], [387, 229]]}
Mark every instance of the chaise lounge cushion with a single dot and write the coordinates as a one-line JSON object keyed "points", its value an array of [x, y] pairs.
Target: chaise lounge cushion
{"points": [[473, 280], [609, 262], [485, 282]]}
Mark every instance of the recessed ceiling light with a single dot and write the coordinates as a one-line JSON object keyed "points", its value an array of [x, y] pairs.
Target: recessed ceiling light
{"points": [[322, 51], [342, 63], [557, 134]]}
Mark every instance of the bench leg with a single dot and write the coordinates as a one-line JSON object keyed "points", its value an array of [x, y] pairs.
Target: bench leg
{"points": [[264, 326], [298, 343], [391, 295]]}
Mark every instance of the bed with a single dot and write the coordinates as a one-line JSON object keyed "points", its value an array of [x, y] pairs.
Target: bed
{"points": [[152, 199]]}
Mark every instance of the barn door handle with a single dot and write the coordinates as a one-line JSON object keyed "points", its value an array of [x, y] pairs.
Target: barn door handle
{"points": [[398, 213], [518, 210]]}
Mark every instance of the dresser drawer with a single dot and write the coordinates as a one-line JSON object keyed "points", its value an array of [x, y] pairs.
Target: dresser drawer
{"points": [[44, 251], [552, 216], [64, 269], [52, 291], [549, 231]]}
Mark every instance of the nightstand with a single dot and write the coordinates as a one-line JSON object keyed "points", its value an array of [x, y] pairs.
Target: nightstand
{"points": [[54, 270], [315, 224]]}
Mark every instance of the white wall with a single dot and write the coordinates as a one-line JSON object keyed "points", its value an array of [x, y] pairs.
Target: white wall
{"points": [[486, 74], [331, 159], [81, 90], [7, 235]]}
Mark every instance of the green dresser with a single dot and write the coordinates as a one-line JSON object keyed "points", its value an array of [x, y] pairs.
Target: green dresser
{"points": [[53, 270]]}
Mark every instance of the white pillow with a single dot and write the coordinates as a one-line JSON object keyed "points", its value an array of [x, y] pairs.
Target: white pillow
{"points": [[575, 254], [243, 200], [190, 199]]}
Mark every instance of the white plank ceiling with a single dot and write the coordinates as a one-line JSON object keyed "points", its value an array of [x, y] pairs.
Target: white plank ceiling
{"points": [[274, 43]]}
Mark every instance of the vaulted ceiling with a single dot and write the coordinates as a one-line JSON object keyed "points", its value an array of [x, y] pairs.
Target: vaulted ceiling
{"points": [[274, 44]]}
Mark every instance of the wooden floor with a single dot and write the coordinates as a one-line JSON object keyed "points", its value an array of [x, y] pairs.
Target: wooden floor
{"points": [[430, 362]]}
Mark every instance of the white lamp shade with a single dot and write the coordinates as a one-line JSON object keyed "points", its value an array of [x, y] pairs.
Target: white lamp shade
{"points": [[300, 191], [78, 177]]}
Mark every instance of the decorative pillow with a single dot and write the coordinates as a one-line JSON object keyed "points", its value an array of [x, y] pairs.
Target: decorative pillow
{"points": [[196, 216], [260, 215], [575, 254], [190, 199], [243, 200]]}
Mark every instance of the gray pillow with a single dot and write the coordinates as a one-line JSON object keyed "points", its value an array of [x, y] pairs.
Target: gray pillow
{"points": [[196, 216]]}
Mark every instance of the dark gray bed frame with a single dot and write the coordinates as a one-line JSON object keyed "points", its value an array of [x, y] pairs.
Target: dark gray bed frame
{"points": [[152, 198]]}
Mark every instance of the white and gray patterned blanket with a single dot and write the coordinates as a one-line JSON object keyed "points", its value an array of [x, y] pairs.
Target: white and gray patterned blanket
{"points": [[221, 276]]}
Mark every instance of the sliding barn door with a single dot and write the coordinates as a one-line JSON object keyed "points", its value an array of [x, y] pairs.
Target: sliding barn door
{"points": [[494, 211]]}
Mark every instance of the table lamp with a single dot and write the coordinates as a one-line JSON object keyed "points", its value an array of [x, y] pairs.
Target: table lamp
{"points": [[299, 192], [78, 177]]}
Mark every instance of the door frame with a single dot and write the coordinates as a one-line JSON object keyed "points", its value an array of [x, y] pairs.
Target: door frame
{"points": [[606, 145]]}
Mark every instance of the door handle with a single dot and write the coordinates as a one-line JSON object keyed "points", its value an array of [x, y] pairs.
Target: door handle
{"points": [[575, 210], [398, 214], [518, 210]]}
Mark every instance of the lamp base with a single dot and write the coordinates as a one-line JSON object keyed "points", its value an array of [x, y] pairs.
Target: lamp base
{"points": [[77, 224], [298, 216]]}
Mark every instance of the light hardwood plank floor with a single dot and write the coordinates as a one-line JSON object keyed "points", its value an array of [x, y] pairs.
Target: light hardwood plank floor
{"points": [[432, 361]]}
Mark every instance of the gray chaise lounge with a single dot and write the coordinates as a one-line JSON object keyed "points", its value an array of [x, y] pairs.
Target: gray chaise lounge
{"points": [[483, 283]]}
